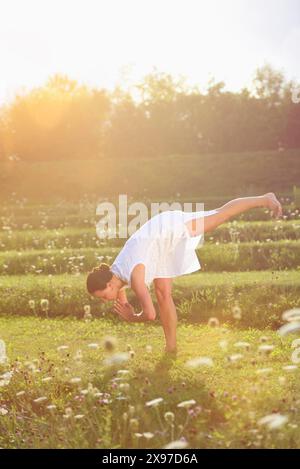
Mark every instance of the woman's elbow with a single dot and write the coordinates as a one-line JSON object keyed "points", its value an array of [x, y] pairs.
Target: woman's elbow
{"points": [[151, 316]]}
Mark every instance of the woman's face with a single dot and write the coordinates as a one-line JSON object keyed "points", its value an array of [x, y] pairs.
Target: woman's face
{"points": [[108, 294]]}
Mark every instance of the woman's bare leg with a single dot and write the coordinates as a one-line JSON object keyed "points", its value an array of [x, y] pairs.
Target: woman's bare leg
{"points": [[197, 226], [167, 309]]}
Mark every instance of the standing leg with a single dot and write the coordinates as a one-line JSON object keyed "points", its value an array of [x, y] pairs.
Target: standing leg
{"points": [[197, 226], [167, 309]]}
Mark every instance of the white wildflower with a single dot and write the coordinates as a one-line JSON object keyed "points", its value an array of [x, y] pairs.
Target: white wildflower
{"points": [[177, 444], [199, 361], [154, 402], [187, 404], [291, 315], [273, 421]]}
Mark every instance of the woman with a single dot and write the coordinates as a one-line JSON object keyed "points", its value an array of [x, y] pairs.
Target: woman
{"points": [[161, 249]]}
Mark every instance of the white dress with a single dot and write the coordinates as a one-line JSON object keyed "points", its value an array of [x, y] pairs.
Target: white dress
{"points": [[163, 245]]}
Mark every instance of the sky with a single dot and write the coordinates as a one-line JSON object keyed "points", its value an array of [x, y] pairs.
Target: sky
{"points": [[108, 43]]}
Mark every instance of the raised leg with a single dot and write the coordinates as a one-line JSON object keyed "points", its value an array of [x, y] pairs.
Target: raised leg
{"points": [[197, 226], [167, 310]]}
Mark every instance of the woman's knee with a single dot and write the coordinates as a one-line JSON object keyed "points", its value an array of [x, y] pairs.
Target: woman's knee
{"points": [[163, 291]]}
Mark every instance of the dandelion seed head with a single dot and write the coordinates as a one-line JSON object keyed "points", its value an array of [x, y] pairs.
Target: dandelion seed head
{"points": [[116, 359], [169, 417], [199, 361], [213, 322]]}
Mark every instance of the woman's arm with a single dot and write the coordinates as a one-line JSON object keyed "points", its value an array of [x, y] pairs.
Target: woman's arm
{"points": [[122, 297], [148, 312]]}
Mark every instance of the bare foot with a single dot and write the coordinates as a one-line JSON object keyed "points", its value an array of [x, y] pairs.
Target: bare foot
{"points": [[273, 204]]}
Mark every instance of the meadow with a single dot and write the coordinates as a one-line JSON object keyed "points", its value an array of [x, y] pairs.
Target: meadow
{"points": [[73, 375]]}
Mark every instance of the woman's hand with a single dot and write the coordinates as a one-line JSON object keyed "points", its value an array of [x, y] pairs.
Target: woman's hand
{"points": [[125, 310]]}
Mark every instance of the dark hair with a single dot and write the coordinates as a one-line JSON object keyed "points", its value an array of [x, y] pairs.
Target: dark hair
{"points": [[97, 279]]}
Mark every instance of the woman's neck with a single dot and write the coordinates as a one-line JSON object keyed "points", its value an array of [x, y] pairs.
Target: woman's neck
{"points": [[119, 282]]}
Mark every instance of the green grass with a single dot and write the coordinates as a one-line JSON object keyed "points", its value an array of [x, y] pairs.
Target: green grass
{"points": [[261, 295], [243, 289], [240, 173], [278, 255], [78, 237], [230, 397]]}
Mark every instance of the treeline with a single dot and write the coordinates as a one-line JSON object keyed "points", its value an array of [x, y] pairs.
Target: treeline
{"points": [[64, 120]]}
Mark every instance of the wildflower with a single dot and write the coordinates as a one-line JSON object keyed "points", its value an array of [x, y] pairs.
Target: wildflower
{"points": [[5, 378], [51, 407], [154, 402], [131, 410], [282, 379], [124, 387], [169, 417], [236, 312], [213, 322], [266, 349], [68, 413], [78, 355], [45, 305], [263, 339], [291, 315], [87, 313], [243, 345], [223, 344], [290, 367], [148, 435], [187, 404], [177, 444], [199, 361], [116, 359], [123, 372], [133, 425], [263, 371], [3, 411], [3, 357], [62, 347], [273, 421], [295, 343], [38, 400], [289, 328], [75, 380], [235, 357], [296, 356]]}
